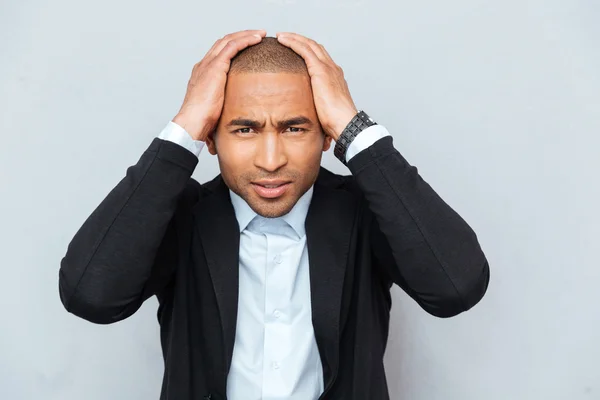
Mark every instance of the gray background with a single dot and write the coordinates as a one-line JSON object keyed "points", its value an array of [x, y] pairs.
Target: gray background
{"points": [[496, 103]]}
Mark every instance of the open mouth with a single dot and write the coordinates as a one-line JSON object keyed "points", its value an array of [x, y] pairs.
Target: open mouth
{"points": [[270, 190]]}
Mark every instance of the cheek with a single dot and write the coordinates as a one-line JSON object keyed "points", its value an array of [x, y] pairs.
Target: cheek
{"points": [[307, 150], [234, 158]]}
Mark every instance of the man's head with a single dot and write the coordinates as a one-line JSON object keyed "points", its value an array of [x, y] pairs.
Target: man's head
{"points": [[269, 131]]}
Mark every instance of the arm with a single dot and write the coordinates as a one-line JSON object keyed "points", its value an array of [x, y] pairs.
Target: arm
{"points": [[126, 250], [419, 242]]}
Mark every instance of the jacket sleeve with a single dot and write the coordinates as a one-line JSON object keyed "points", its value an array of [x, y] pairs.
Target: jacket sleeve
{"points": [[126, 250], [419, 242]]}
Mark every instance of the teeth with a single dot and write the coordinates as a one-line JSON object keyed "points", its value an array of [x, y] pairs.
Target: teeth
{"points": [[271, 186]]}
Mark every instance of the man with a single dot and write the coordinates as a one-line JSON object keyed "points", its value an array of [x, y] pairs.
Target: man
{"points": [[274, 278]]}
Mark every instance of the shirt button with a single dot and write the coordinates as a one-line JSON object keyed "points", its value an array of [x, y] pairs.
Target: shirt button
{"points": [[277, 314], [275, 365], [277, 259]]}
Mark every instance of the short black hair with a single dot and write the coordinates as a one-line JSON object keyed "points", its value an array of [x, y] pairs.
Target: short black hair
{"points": [[268, 55]]}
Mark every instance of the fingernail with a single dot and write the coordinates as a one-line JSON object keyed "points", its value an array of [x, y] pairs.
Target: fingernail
{"points": [[258, 36]]}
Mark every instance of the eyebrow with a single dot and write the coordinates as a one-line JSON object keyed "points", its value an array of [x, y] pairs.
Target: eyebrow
{"points": [[286, 123]]}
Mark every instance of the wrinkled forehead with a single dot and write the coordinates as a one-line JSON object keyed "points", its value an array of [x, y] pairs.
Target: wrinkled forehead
{"points": [[259, 93]]}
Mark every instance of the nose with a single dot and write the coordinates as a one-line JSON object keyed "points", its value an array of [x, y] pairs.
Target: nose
{"points": [[270, 152]]}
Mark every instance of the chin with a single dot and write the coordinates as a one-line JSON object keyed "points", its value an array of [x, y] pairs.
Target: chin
{"points": [[272, 208]]}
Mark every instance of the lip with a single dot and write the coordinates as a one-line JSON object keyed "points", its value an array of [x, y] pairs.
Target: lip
{"points": [[271, 193], [271, 182]]}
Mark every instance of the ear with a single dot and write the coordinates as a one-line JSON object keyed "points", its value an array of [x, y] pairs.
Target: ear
{"points": [[327, 143], [211, 144]]}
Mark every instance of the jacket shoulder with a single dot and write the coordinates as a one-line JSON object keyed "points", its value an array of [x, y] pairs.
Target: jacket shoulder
{"points": [[336, 181], [195, 191]]}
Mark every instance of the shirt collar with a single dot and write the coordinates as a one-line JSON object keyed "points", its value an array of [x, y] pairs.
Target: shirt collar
{"points": [[295, 218]]}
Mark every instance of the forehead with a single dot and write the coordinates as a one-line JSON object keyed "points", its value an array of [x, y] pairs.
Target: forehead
{"points": [[268, 92]]}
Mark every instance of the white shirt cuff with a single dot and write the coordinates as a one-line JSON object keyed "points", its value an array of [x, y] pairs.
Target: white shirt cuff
{"points": [[365, 139], [176, 134]]}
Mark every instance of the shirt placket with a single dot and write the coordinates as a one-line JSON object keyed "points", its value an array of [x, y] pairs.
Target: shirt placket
{"points": [[276, 309]]}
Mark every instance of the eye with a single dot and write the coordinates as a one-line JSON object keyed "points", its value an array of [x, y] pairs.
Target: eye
{"points": [[294, 129], [243, 131]]}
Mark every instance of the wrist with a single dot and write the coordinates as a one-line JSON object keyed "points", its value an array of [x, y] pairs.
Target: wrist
{"points": [[341, 123], [357, 124], [195, 127]]}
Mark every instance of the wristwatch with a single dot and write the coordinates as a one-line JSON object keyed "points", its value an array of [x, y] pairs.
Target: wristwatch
{"points": [[359, 123]]}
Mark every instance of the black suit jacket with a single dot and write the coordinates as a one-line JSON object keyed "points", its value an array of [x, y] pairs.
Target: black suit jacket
{"points": [[159, 232]]}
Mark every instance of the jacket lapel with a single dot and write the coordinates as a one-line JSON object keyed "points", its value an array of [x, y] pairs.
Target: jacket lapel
{"points": [[329, 226], [219, 233]]}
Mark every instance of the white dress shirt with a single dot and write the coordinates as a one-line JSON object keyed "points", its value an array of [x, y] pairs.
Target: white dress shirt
{"points": [[275, 354]]}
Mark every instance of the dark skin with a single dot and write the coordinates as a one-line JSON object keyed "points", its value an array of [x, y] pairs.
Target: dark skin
{"points": [[269, 130], [267, 125]]}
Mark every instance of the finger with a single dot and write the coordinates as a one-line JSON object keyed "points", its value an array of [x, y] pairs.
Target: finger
{"points": [[234, 46], [325, 53], [302, 48], [221, 43], [317, 48]]}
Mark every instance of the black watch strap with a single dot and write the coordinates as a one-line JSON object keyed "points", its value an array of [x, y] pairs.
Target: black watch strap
{"points": [[359, 123]]}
